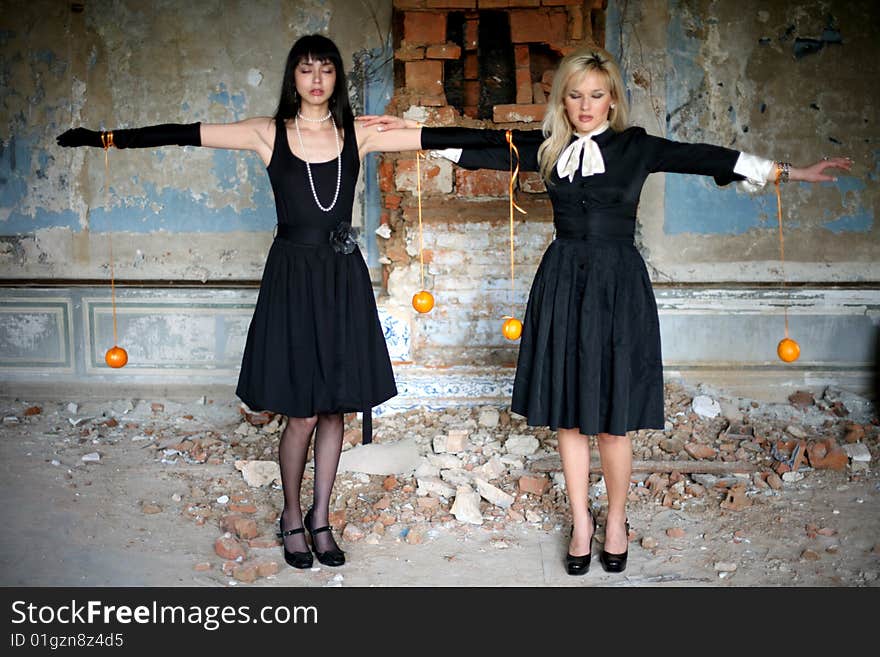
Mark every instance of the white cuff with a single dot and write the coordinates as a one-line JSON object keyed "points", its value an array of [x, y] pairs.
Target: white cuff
{"points": [[756, 170], [453, 154]]}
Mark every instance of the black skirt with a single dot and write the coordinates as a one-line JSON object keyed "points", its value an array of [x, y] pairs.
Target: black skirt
{"points": [[315, 343], [590, 354]]}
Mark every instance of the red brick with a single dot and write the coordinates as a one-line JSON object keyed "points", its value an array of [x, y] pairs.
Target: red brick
{"points": [[675, 532], [524, 3], [471, 34], [421, 27], [481, 183], [535, 484], [242, 508], [156, 407], [409, 4], [559, 3], [493, 4], [521, 57], [408, 53], [202, 566], [531, 182], [471, 111], [433, 100], [827, 454], [390, 482], [432, 182], [533, 26], [264, 542], [245, 572], [267, 568], [337, 519], [575, 23], [441, 116], [523, 86], [452, 4], [471, 67], [425, 76], [392, 201], [386, 175], [699, 451], [229, 548], [36, 410], [471, 89], [445, 51], [518, 113]]}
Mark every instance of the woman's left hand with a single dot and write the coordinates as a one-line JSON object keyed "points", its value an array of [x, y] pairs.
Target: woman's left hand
{"points": [[816, 172]]}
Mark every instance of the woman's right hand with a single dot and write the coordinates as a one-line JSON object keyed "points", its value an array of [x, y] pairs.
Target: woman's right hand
{"points": [[79, 137]]}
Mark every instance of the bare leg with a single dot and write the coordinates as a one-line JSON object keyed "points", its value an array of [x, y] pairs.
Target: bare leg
{"points": [[328, 447], [293, 449], [616, 454], [574, 449]]}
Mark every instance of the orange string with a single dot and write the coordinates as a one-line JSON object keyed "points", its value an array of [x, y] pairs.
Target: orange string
{"points": [[781, 244], [420, 155], [107, 142], [514, 172]]}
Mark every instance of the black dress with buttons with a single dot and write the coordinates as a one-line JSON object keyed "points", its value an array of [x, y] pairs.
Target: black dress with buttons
{"points": [[315, 343], [590, 356]]}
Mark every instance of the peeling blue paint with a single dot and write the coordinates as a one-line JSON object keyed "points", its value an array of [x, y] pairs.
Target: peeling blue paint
{"points": [[235, 102], [22, 224], [225, 163], [697, 205], [687, 77], [859, 219], [179, 211]]}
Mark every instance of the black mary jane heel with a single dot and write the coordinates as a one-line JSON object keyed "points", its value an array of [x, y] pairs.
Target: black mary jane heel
{"points": [[334, 557], [301, 560]]}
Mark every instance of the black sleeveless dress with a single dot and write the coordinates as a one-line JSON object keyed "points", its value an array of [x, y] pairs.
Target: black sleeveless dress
{"points": [[315, 343], [590, 356]]}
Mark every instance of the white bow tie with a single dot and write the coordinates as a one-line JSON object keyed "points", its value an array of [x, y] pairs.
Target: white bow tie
{"points": [[585, 147]]}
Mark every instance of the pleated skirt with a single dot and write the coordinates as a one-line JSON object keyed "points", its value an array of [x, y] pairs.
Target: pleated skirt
{"points": [[590, 355], [315, 343]]}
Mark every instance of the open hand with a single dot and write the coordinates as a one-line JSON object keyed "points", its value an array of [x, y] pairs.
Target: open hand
{"points": [[816, 172], [79, 137], [385, 122]]}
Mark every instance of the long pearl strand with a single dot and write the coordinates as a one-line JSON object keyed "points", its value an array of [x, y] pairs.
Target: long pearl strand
{"points": [[309, 169]]}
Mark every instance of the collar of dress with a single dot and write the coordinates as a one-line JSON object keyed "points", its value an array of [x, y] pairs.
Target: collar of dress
{"points": [[583, 153]]}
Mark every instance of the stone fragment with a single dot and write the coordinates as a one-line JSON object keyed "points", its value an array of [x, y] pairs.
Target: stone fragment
{"points": [[91, 457], [267, 568], [466, 507], [150, 508], [245, 572], [649, 542], [675, 532], [736, 499], [700, 451], [493, 494], [490, 470], [258, 473], [802, 399], [228, 547], [401, 458], [724, 567], [536, 484], [456, 440], [810, 555], [706, 406], [521, 444], [858, 452], [488, 418], [352, 532], [434, 486]]}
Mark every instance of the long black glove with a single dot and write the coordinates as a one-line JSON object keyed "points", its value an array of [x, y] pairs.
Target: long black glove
{"points": [[166, 134], [433, 138]]}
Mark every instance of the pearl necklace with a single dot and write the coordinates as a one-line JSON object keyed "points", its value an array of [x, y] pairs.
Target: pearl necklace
{"points": [[305, 118], [309, 169]]}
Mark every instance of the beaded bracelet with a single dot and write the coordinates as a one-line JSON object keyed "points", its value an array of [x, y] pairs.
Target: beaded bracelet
{"points": [[783, 170]]}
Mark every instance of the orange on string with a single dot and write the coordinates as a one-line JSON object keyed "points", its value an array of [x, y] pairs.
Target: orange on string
{"points": [[116, 356], [512, 327], [788, 350], [422, 300]]}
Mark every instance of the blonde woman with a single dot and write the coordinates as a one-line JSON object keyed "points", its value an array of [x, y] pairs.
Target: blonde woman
{"points": [[589, 361]]}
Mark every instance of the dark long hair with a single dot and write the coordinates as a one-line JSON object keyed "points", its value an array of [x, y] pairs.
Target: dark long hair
{"points": [[317, 48]]}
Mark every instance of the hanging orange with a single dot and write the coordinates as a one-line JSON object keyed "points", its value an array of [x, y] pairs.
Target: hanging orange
{"points": [[788, 350], [116, 357], [512, 328], [423, 301]]}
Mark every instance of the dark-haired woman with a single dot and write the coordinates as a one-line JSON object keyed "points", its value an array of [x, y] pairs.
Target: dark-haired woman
{"points": [[315, 348]]}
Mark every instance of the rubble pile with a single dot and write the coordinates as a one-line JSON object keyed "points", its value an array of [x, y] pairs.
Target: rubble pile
{"points": [[430, 472]]}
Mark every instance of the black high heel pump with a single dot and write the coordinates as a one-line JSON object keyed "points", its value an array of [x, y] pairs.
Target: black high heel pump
{"points": [[581, 565], [300, 560], [332, 557], [615, 563]]}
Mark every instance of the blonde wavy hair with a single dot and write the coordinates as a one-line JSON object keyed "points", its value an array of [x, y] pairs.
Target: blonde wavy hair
{"points": [[557, 129]]}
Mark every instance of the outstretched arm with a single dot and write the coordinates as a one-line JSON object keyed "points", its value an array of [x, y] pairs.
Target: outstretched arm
{"points": [[255, 134]]}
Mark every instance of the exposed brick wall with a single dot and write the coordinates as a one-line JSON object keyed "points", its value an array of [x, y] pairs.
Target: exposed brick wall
{"points": [[465, 214]]}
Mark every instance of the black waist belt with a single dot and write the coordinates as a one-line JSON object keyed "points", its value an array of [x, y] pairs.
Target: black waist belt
{"points": [[303, 234], [595, 226]]}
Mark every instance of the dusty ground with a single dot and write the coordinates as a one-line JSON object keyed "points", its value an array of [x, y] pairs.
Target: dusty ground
{"points": [[147, 508]]}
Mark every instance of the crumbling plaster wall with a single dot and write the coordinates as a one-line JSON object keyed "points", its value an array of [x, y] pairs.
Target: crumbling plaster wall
{"points": [[191, 214], [789, 80]]}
